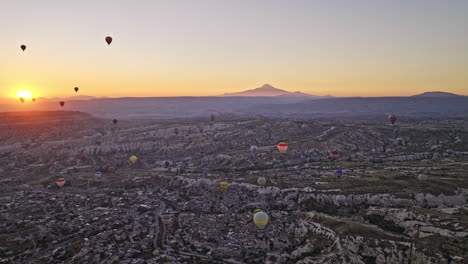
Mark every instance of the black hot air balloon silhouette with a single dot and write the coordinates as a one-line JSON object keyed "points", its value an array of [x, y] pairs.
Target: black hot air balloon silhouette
{"points": [[114, 121], [76, 89], [23, 47], [62, 103], [108, 40]]}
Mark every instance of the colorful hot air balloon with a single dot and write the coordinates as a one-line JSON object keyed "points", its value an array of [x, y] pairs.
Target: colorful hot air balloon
{"points": [[339, 173], [60, 182], [341, 199], [108, 40], [62, 103], [98, 174], [253, 149], [133, 159], [392, 119], [33, 100], [115, 122], [224, 186], [83, 158], [203, 182], [202, 154], [23, 47], [334, 155], [422, 177], [166, 164], [111, 170], [260, 220], [261, 181], [282, 147], [76, 89], [166, 219], [156, 176], [22, 99]]}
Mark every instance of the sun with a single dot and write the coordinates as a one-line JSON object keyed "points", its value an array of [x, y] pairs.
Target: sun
{"points": [[24, 94]]}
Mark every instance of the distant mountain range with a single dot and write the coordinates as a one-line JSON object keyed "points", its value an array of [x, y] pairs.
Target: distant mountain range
{"points": [[78, 97], [269, 91], [437, 94]]}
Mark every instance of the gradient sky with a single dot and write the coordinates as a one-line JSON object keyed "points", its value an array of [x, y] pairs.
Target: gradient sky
{"points": [[210, 47]]}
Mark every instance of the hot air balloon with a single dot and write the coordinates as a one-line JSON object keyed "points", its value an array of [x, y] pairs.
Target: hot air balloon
{"points": [[224, 186], [167, 164], [339, 173], [62, 103], [111, 170], [334, 155], [166, 219], [23, 47], [392, 119], [98, 174], [108, 40], [33, 100], [133, 159], [203, 182], [83, 158], [253, 149], [202, 154], [261, 181], [260, 220], [176, 131], [282, 147], [76, 89], [60, 182], [22, 99], [115, 122], [205, 171], [422, 177], [156, 176], [212, 117], [341, 199]]}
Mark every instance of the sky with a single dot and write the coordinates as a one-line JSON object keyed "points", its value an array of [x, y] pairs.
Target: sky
{"points": [[211, 47]]}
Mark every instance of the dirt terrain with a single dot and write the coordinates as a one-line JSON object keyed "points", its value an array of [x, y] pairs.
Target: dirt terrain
{"points": [[405, 190]]}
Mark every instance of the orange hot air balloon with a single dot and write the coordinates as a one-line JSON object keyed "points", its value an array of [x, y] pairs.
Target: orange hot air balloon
{"points": [[22, 99], [282, 147], [60, 182], [33, 100], [62, 103], [108, 40], [23, 47]]}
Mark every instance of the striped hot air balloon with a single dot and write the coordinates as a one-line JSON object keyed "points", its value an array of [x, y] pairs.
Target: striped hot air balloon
{"points": [[282, 147], [260, 220], [60, 182]]}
